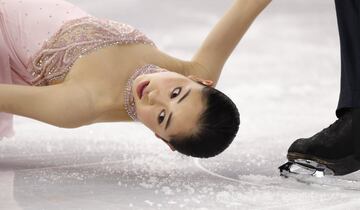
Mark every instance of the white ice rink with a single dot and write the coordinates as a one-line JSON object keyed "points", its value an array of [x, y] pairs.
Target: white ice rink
{"points": [[284, 77]]}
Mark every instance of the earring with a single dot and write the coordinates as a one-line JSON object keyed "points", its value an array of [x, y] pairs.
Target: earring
{"points": [[207, 82], [202, 81]]}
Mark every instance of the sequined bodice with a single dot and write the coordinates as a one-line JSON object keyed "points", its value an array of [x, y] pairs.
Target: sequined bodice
{"points": [[76, 38]]}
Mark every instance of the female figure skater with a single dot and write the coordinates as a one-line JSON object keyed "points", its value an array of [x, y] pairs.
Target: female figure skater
{"points": [[65, 67]]}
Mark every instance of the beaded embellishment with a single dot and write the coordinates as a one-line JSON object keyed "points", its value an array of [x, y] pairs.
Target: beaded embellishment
{"points": [[74, 39], [129, 101]]}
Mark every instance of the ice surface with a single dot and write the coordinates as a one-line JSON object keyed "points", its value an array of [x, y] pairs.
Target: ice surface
{"points": [[284, 76]]}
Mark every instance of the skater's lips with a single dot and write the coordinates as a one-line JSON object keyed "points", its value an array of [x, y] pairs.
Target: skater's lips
{"points": [[141, 87]]}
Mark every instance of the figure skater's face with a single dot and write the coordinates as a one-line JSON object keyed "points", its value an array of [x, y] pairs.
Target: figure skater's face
{"points": [[170, 103]]}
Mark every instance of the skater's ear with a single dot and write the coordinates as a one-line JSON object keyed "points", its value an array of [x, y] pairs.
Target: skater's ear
{"points": [[166, 142]]}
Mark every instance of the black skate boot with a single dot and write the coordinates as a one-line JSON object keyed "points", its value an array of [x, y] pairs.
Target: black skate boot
{"points": [[333, 151]]}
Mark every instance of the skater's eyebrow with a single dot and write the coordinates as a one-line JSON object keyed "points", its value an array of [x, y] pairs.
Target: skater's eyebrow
{"points": [[184, 96], [170, 115]]}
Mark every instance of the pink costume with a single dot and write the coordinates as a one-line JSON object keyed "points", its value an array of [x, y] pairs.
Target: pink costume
{"points": [[41, 39]]}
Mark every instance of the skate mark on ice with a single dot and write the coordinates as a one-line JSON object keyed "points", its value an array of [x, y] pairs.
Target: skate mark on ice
{"points": [[349, 185], [198, 164], [240, 198]]}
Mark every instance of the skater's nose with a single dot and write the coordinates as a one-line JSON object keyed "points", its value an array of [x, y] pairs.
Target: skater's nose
{"points": [[154, 97]]}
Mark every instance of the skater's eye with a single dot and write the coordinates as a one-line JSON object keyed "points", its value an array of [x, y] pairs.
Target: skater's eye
{"points": [[175, 92], [161, 116]]}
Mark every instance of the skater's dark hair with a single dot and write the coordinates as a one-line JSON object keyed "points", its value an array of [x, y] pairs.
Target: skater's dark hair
{"points": [[217, 127]]}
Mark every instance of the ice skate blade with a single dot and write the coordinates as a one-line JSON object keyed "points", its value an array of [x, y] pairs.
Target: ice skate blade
{"points": [[340, 167], [312, 173], [305, 167]]}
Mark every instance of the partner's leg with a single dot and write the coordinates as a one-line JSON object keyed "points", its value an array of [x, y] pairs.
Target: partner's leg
{"points": [[338, 146], [348, 17]]}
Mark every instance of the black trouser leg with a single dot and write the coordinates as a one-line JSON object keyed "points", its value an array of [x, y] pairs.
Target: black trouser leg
{"points": [[356, 132], [348, 17]]}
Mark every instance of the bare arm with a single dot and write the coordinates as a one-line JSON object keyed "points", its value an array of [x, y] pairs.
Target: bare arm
{"points": [[67, 106], [223, 38]]}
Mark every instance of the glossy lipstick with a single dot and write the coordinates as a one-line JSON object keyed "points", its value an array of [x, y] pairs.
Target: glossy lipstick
{"points": [[141, 87]]}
